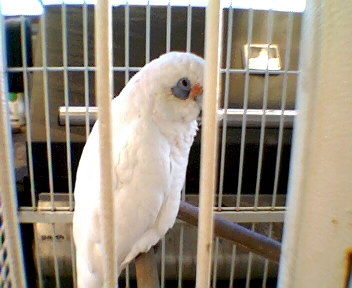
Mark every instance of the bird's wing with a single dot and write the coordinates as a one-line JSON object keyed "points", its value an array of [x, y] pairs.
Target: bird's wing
{"points": [[86, 219], [143, 173]]}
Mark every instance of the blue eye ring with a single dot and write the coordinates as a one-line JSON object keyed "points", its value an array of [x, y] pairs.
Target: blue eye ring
{"points": [[182, 88]]}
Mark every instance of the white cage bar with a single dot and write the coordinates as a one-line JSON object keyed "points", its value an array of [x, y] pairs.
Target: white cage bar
{"points": [[66, 96], [245, 107], [47, 116], [209, 143], [8, 202], [244, 118], [27, 112], [104, 92], [264, 107], [318, 234], [226, 102]]}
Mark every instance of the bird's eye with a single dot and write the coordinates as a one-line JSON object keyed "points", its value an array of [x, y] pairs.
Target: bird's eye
{"points": [[185, 82], [182, 88]]}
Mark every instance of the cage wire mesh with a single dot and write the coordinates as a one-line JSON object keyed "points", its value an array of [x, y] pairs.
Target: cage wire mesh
{"points": [[55, 76], [4, 270]]}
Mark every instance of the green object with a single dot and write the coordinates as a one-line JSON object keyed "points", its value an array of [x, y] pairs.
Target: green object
{"points": [[13, 96]]}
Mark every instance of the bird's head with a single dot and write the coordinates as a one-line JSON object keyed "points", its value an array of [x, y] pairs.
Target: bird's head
{"points": [[176, 82]]}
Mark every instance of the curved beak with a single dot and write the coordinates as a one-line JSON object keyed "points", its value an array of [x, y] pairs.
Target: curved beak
{"points": [[196, 91]]}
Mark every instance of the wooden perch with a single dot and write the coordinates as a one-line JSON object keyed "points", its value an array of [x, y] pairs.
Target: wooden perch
{"points": [[245, 238], [147, 273], [147, 270]]}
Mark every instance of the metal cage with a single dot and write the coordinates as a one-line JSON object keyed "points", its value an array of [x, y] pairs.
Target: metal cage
{"points": [[252, 132]]}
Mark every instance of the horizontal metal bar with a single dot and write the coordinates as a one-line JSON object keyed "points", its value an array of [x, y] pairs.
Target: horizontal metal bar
{"points": [[77, 116], [259, 72], [234, 216], [69, 68], [254, 117], [135, 69], [45, 216]]}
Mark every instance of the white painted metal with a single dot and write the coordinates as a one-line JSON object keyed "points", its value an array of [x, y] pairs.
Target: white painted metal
{"points": [[127, 78], [7, 180], [104, 92], [46, 105], [209, 144], [215, 262], [168, 27], [180, 253], [245, 107], [65, 216], [127, 42], [266, 262], [318, 230], [189, 27], [133, 69], [234, 117], [226, 103], [27, 112], [37, 258], [73, 261], [227, 117], [162, 272], [264, 107], [85, 61], [249, 265], [147, 33], [233, 266], [283, 106], [56, 263], [67, 103]]}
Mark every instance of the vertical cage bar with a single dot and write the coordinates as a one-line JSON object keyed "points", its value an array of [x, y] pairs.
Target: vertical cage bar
{"points": [[104, 92], [73, 261], [85, 60], [189, 27], [249, 270], [283, 106], [147, 33], [318, 220], [7, 177], [208, 144], [27, 112], [249, 265], [162, 263], [56, 263], [233, 266], [168, 27], [47, 110], [180, 257], [128, 276], [67, 103], [264, 107], [226, 102], [37, 257], [180, 254], [127, 42], [183, 194], [215, 263], [245, 106], [266, 264]]}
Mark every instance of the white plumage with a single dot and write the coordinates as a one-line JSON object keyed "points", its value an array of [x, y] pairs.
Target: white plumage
{"points": [[154, 124]]}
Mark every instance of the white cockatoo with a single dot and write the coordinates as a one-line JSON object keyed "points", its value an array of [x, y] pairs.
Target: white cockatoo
{"points": [[154, 125]]}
